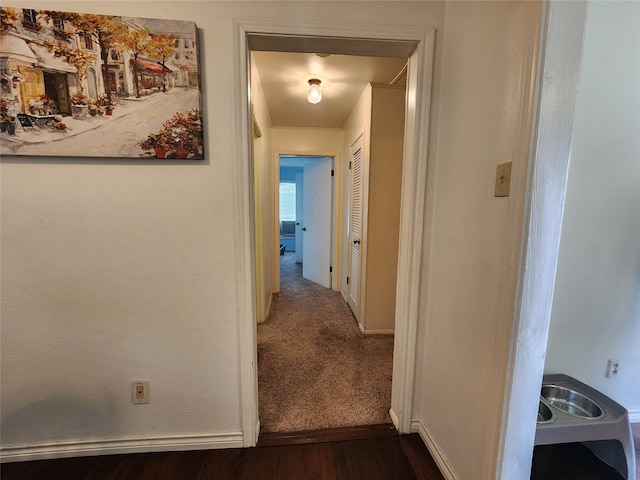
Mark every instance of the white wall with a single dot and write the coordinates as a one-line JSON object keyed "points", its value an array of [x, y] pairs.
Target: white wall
{"points": [[315, 141], [264, 170], [469, 272], [300, 141], [379, 116], [113, 271], [117, 270], [383, 210], [596, 309]]}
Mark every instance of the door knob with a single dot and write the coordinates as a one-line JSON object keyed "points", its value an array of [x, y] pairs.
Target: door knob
{"points": [[304, 229], [356, 242]]}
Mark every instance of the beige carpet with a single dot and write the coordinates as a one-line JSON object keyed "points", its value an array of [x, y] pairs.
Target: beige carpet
{"points": [[316, 369]]}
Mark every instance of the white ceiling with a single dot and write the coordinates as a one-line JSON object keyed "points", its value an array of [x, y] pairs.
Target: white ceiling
{"points": [[285, 79]]}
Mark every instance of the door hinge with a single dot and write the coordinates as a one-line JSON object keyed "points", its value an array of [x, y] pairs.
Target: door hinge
{"points": [[349, 165], [330, 269], [347, 280], [332, 173]]}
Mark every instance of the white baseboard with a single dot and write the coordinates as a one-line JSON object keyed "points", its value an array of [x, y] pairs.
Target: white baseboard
{"points": [[379, 332], [375, 332], [394, 419], [438, 456], [268, 309], [87, 448], [634, 416]]}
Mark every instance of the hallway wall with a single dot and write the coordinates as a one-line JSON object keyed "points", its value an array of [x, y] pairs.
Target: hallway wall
{"points": [[596, 309], [118, 270], [468, 275], [264, 170]]}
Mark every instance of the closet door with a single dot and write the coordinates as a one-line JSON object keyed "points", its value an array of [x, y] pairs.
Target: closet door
{"points": [[355, 226]]}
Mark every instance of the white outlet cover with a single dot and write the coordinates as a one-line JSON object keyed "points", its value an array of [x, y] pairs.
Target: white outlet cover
{"points": [[140, 391]]}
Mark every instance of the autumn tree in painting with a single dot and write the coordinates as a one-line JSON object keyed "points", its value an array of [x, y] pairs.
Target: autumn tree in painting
{"points": [[105, 32], [137, 43], [8, 16], [161, 48]]}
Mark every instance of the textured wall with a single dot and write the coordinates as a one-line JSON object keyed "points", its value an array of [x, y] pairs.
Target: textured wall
{"points": [[467, 302], [596, 310], [114, 271]]}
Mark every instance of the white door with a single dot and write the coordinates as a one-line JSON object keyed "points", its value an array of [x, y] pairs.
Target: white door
{"points": [[299, 217], [316, 227], [355, 226]]}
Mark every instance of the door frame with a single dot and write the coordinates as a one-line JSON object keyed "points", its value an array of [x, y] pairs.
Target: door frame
{"points": [[335, 211], [415, 42], [364, 188]]}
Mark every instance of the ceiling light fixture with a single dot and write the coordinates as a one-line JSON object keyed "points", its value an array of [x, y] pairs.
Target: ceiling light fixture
{"points": [[314, 95]]}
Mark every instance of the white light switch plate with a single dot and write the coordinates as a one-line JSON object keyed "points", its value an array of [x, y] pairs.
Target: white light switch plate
{"points": [[503, 180]]}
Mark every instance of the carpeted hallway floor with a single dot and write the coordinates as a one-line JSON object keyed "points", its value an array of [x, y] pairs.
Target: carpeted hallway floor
{"points": [[316, 369]]}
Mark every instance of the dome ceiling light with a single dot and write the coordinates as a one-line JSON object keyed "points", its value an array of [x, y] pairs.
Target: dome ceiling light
{"points": [[314, 95]]}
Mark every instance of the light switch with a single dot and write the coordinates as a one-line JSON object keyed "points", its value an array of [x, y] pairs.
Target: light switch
{"points": [[503, 180]]}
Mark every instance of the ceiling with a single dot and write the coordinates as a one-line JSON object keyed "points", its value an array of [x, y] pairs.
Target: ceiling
{"points": [[285, 76]]}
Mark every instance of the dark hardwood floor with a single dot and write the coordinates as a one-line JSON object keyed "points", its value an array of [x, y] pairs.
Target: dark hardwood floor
{"points": [[569, 461], [402, 457], [368, 453]]}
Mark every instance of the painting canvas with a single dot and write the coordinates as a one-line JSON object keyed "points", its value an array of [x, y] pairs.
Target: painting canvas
{"points": [[85, 85]]}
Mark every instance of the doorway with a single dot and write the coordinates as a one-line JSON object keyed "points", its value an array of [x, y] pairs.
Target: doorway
{"points": [[56, 87], [306, 222], [415, 42]]}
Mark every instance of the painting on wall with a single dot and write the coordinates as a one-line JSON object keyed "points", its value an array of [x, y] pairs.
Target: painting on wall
{"points": [[86, 85]]}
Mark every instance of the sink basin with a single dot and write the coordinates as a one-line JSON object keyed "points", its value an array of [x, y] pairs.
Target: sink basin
{"points": [[545, 414], [571, 402]]}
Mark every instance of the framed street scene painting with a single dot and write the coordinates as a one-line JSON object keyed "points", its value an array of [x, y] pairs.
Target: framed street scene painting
{"points": [[85, 85]]}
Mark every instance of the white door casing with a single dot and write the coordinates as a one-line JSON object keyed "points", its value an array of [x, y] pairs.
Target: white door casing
{"points": [[316, 227], [417, 42]]}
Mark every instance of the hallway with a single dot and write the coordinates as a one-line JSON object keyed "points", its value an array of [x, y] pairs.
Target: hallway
{"points": [[316, 370]]}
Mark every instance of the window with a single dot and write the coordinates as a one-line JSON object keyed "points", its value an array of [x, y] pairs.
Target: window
{"points": [[58, 23], [287, 201], [29, 15], [30, 20], [114, 55], [177, 57], [88, 44]]}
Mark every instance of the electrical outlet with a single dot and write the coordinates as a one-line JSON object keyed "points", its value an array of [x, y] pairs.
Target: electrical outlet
{"points": [[612, 368], [140, 391]]}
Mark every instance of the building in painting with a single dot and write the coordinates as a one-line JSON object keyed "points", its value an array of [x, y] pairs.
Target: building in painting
{"points": [[85, 64], [28, 69], [185, 59]]}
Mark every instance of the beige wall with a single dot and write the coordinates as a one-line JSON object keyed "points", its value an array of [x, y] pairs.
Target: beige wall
{"points": [[379, 116], [114, 271], [383, 223], [264, 170], [597, 292], [469, 273], [290, 140]]}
